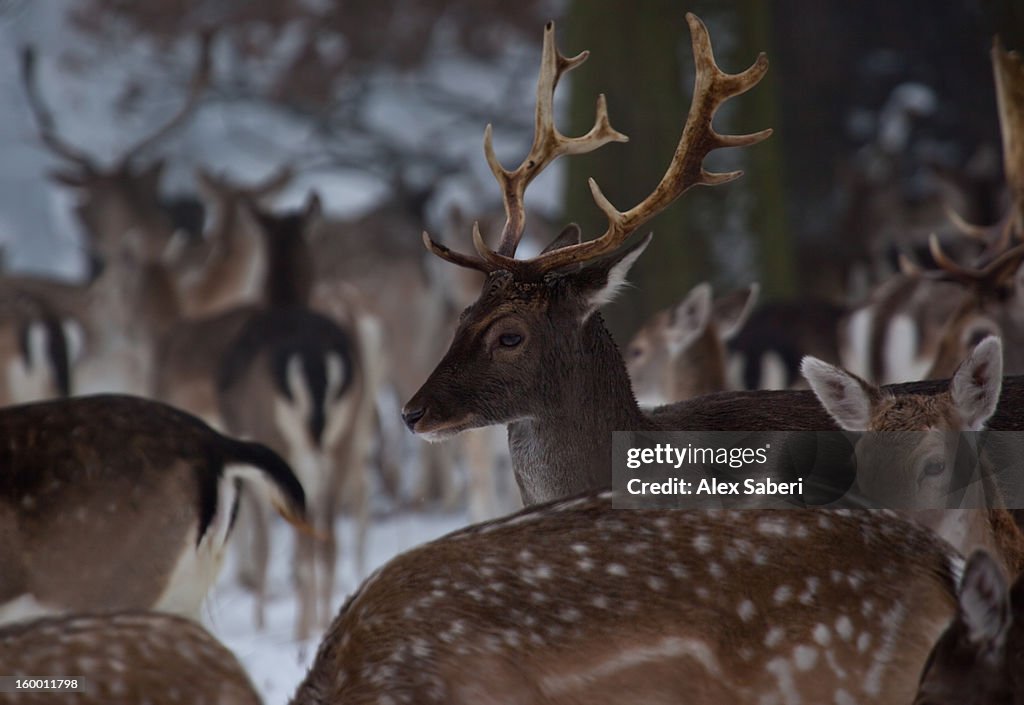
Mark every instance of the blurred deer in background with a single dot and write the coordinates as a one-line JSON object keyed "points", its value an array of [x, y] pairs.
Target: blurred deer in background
{"points": [[950, 310], [131, 298], [681, 352], [294, 379], [230, 266], [125, 657], [36, 349], [977, 658]]}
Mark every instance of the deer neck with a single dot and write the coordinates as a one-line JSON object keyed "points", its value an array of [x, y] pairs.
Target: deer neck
{"points": [[700, 369], [566, 447]]}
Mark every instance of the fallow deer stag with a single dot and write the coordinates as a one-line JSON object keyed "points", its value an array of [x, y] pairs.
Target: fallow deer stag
{"points": [[578, 602], [532, 352], [992, 298], [124, 657], [113, 503], [125, 196], [908, 453], [976, 661], [681, 352], [131, 295]]}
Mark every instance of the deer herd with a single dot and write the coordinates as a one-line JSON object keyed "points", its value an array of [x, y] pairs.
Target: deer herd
{"points": [[198, 380]]}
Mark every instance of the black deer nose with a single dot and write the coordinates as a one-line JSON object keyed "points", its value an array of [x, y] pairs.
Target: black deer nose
{"points": [[411, 416]]}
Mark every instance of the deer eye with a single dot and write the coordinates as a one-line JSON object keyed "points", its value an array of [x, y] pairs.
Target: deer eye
{"points": [[635, 352], [510, 340], [934, 468]]}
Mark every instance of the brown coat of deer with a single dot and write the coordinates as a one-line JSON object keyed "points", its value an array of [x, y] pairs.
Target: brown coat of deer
{"points": [[125, 657], [578, 602], [977, 660], [113, 503]]}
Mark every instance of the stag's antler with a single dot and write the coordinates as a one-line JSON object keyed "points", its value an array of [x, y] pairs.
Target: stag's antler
{"points": [[47, 125], [711, 89], [987, 278], [44, 118], [1008, 71], [199, 82], [548, 145]]}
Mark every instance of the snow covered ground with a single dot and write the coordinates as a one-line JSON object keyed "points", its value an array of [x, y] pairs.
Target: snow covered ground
{"points": [[275, 661]]}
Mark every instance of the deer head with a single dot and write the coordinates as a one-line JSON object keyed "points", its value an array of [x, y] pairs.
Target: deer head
{"points": [[910, 453], [976, 661], [532, 344], [680, 352], [125, 196], [229, 265]]}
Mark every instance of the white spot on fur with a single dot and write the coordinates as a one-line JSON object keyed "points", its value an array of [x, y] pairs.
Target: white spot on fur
{"points": [[805, 657], [774, 637], [702, 544], [844, 628]]}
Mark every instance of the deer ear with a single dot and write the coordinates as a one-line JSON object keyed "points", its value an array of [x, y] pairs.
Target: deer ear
{"points": [[601, 282], [846, 397], [984, 602], [689, 319], [732, 310], [570, 235], [977, 382]]}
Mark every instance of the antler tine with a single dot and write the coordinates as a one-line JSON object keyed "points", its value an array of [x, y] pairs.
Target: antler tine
{"points": [[988, 277], [200, 80], [548, 145], [711, 89], [43, 116], [458, 258]]}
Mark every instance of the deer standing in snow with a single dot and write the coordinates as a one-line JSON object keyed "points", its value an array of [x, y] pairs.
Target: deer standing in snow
{"points": [[112, 503]]}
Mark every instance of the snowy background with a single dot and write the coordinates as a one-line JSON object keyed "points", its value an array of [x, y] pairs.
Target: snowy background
{"points": [[39, 233], [84, 84]]}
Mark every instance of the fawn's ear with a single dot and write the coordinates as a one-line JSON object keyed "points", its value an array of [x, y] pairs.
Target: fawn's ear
{"points": [[601, 282], [984, 602], [731, 311], [846, 397], [977, 382], [689, 319]]}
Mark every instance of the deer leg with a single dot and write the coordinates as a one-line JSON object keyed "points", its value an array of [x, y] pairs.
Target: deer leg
{"points": [[304, 576], [254, 554]]}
